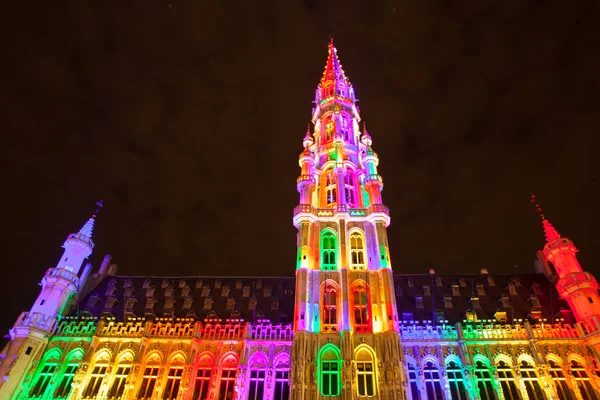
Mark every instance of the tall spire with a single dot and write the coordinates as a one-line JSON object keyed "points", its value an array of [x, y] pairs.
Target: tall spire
{"points": [[88, 229], [333, 70], [551, 233]]}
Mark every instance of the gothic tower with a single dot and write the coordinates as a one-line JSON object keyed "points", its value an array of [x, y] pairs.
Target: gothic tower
{"points": [[579, 288], [60, 286], [345, 313]]}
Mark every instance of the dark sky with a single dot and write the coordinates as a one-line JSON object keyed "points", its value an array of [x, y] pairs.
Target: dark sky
{"points": [[187, 118]]}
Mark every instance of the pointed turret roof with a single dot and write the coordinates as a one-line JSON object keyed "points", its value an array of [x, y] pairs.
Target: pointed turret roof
{"points": [[88, 228], [333, 69], [551, 233]]}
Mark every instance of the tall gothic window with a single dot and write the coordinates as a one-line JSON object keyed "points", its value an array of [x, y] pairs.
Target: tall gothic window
{"points": [[44, 378], [456, 381], [173, 382], [257, 380], [558, 377], [202, 381], [365, 373], [329, 307], [431, 376], [329, 379], [282, 381], [149, 377], [64, 388], [330, 182], [350, 188], [583, 381], [328, 251], [357, 251], [360, 307], [413, 381], [531, 381], [346, 128], [227, 382], [507, 381], [484, 381], [329, 130], [96, 377], [118, 385]]}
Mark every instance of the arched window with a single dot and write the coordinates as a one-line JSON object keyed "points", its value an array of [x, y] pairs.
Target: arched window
{"points": [[531, 381], [328, 251], [45, 374], [173, 379], [360, 308], [329, 129], [484, 381], [583, 381], [282, 379], [560, 382], [329, 306], [507, 381], [123, 369], [64, 387], [330, 187], [329, 374], [257, 378], [98, 372], [357, 251], [431, 376], [350, 188], [413, 381], [202, 381], [365, 373], [456, 381], [227, 382], [149, 377]]}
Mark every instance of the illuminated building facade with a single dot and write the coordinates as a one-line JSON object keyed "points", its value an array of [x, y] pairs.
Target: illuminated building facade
{"points": [[344, 327]]}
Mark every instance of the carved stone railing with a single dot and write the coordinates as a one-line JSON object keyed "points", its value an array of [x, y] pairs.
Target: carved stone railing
{"points": [[36, 320], [271, 332], [76, 327], [590, 326], [61, 273], [555, 331], [306, 178], [171, 329], [428, 332], [220, 331], [494, 331], [329, 212], [130, 328]]}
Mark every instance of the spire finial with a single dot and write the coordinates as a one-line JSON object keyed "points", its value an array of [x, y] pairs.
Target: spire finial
{"points": [[551, 232], [88, 228]]}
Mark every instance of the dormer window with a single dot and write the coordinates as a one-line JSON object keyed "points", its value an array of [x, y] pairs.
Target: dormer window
{"points": [[169, 292], [198, 284], [205, 291], [455, 290], [267, 291], [93, 301], [506, 301], [146, 284], [275, 303], [187, 303], [501, 316], [185, 291], [129, 303], [217, 284], [426, 290], [230, 304], [438, 281], [128, 292], [535, 302], [517, 281], [419, 302], [110, 302], [150, 291], [480, 290], [259, 284], [463, 282], [238, 284], [252, 304], [475, 302], [410, 282], [208, 302], [490, 281], [110, 290], [225, 291], [128, 283], [512, 290], [408, 316], [471, 316], [182, 283], [169, 303], [165, 283], [447, 302], [537, 289], [150, 301], [246, 291]]}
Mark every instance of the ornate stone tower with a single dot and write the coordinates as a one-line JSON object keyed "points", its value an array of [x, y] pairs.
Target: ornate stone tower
{"points": [[346, 341], [60, 286], [579, 288]]}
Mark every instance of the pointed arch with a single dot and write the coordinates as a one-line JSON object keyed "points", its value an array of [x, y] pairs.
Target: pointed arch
{"points": [[67, 373], [580, 374], [54, 354], [359, 298], [357, 249], [177, 357], [46, 371], [228, 363], [485, 382], [258, 368], [455, 377], [529, 377], [432, 378], [557, 373], [329, 246], [365, 364], [282, 365], [176, 364], [329, 366], [124, 361], [330, 298], [152, 364], [507, 378], [205, 362], [100, 365], [125, 356]]}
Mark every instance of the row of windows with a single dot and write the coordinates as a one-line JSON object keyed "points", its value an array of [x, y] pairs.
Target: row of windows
{"points": [[330, 188], [199, 386], [344, 127], [330, 364], [329, 251], [431, 386], [359, 305]]}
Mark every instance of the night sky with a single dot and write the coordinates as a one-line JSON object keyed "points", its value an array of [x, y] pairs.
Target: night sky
{"points": [[187, 119]]}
